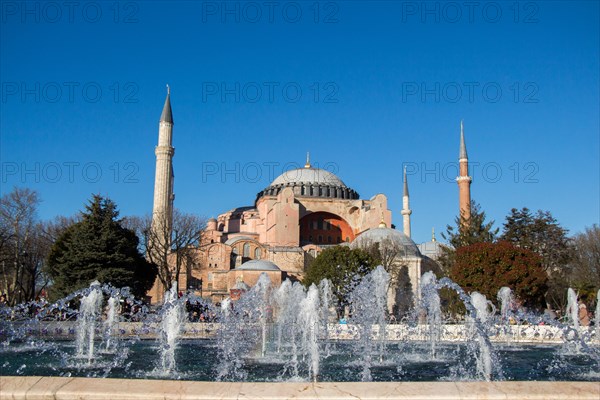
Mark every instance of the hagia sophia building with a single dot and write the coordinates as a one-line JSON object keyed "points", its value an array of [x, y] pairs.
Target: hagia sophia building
{"points": [[301, 212]]}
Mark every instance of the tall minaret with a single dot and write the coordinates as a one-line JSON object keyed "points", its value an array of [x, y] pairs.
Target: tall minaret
{"points": [[162, 211], [464, 180], [406, 211]]}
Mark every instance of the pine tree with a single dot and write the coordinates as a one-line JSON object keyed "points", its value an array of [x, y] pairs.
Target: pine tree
{"points": [[540, 233], [472, 230], [99, 248], [465, 233]]}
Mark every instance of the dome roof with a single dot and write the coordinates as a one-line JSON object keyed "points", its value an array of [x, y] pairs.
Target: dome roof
{"points": [[308, 175], [258, 265], [310, 182], [378, 235]]}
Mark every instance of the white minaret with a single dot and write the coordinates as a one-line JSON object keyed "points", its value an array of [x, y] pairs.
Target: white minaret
{"points": [[162, 211], [406, 211]]}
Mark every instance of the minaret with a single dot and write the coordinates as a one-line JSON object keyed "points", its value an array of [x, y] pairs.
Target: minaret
{"points": [[406, 211], [162, 211], [464, 180]]}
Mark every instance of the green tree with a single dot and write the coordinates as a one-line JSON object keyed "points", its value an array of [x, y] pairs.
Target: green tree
{"points": [[486, 267], [466, 232], [99, 248], [540, 233], [343, 267]]}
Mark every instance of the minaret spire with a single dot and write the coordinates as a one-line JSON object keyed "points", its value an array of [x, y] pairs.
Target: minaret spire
{"points": [[405, 191], [406, 211], [167, 114], [464, 180], [463, 148]]}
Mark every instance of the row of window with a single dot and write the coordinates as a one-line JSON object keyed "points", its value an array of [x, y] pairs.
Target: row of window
{"points": [[320, 239], [320, 225]]}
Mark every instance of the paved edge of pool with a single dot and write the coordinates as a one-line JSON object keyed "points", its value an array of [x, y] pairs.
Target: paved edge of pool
{"points": [[36, 387]]}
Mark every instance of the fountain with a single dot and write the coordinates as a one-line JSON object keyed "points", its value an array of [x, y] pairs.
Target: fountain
{"points": [[309, 321], [431, 305], [86, 322], [286, 334], [368, 301], [572, 308], [506, 299], [173, 318], [112, 320]]}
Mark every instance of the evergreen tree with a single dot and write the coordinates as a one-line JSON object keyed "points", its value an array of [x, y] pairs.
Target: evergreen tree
{"points": [[467, 232], [540, 233], [99, 248], [472, 230], [343, 267]]}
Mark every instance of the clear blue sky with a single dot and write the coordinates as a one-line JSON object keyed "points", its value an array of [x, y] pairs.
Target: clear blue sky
{"points": [[382, 84]]}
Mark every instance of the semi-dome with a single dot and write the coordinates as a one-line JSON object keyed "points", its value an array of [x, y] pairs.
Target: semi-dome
{"points": [[310, 182], [381, 234], [258, 265]]}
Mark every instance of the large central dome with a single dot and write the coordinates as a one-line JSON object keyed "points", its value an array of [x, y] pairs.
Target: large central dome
{"points": [[310, 182], [308, 175]]}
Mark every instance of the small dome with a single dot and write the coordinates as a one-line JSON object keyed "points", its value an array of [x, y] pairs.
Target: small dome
{"points": [[308, 175], [378, 235], [258, 265]]}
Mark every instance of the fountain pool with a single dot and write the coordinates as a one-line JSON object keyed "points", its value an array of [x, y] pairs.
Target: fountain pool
{"points": [[196, 360], [288, 334]]}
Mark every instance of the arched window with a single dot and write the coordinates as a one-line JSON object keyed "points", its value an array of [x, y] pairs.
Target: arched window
{"points": [[246, 250], [257, 253]]}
